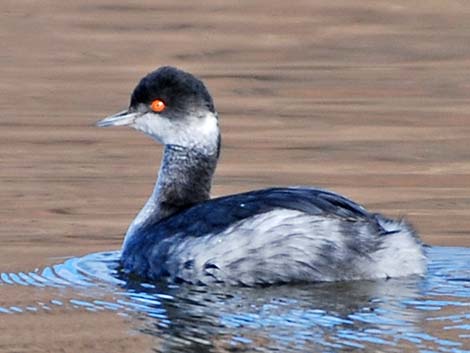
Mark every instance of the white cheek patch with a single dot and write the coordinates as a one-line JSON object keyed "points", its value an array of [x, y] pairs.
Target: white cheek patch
{"points": [[154, 126], [205, 129], [193, 131]]}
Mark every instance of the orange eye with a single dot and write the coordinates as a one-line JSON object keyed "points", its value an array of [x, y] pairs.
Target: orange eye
{"points": [[157, 106]]}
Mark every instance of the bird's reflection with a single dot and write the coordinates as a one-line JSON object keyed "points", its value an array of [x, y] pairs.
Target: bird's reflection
{"points": [[309, 317]]}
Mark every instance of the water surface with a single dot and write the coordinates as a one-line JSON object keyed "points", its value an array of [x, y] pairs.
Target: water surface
{"points": [[429, 314], [370, 99]]}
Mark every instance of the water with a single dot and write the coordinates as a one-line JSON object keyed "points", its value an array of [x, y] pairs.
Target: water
{"points": [[429, 314], [370, 99]]}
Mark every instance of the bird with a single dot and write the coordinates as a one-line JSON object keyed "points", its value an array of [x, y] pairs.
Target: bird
{"points": [[276, 235]]}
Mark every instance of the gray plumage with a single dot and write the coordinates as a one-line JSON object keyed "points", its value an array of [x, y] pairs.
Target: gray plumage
{"points": [[272, 236]]}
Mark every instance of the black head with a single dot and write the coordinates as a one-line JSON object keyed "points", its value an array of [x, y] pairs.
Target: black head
{"points": [[181, 92], [173, 107]]}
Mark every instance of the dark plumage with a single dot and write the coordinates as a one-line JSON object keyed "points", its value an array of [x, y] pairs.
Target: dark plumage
{"points": [[181, 92]]}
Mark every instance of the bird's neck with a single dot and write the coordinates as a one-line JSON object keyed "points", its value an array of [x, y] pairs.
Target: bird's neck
{"points": [[184, 179]]}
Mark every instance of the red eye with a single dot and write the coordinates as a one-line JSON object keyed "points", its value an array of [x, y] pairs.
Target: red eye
{"points": [[157, 106]]}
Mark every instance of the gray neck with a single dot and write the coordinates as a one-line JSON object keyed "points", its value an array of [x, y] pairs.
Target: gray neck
{"points": [[184, 179]]}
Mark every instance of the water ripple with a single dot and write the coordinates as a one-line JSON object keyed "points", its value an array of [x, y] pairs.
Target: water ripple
{"points": [[413, 314]]}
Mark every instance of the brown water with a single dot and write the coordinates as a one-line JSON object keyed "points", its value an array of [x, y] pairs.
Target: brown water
{"points": [[368, 98]]}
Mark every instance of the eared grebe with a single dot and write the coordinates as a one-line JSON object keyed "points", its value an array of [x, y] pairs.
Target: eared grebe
{"points": [[268, 236]]}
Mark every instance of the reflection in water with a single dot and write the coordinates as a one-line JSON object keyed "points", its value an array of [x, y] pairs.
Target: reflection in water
{"points": [[393, 315]]}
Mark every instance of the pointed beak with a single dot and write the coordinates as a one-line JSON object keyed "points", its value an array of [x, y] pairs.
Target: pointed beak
{"points": [[123, 118]]}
